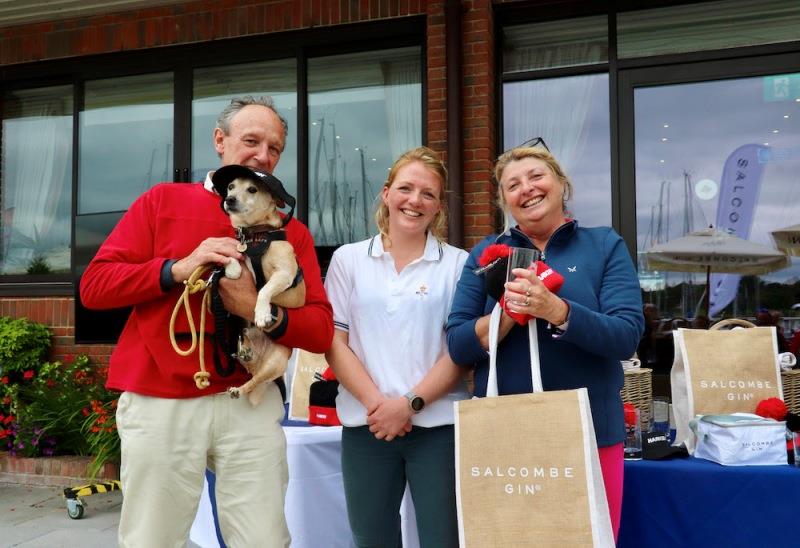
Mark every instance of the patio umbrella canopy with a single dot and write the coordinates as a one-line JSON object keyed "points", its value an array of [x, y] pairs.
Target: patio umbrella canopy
{"points": [[788, 239], [710, 250]]}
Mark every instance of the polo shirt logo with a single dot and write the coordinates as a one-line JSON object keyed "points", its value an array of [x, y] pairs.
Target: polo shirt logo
{"points": [[572, 268], [423, 290]]}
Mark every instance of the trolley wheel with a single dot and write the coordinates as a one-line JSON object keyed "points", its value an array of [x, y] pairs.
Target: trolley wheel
{"points": [[75, 508]]}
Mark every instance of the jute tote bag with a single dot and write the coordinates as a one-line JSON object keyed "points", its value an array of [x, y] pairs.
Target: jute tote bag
{"points": [[305, 365], [527, 469], [718, 372]]}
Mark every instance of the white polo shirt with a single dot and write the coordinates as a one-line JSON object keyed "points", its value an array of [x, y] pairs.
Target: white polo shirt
{"points": [[395, 322]]}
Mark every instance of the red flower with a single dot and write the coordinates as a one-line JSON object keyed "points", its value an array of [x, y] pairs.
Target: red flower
{"points": [[4, 380], [50, 383], [9, 419], [3, 434], [28, 375]]}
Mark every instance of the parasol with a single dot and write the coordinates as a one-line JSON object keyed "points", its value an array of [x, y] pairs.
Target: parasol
{"points": [[710, 249], [787, 239]]}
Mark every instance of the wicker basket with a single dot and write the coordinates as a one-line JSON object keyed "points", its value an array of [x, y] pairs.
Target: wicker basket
{"points": [[791, 389], [638, 390]]}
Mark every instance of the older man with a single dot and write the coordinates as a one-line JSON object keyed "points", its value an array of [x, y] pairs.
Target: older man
{"points": [[171, 430]]}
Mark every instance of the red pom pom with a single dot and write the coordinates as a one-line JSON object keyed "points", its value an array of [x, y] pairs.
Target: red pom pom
{"points": [[493, 252], [772, 408]]}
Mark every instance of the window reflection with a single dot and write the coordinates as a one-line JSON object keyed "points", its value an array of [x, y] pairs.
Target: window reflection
{"points": [[213, 90], [695, 142], [706, 26], [36, 184], [571, 114], [554, 44], [126, 133], [365, 110]]}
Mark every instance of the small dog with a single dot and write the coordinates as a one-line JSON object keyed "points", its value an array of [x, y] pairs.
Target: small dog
{"points": [[251, 199]]}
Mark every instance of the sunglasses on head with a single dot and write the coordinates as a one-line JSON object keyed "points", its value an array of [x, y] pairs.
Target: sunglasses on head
{"points": [[535, 142]]}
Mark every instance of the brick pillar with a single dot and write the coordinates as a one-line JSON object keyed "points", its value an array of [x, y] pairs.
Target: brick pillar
{"points": [[480, 105]]}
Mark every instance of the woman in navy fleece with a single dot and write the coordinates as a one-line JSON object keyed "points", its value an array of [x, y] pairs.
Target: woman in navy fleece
{"points": [[594, 321]]}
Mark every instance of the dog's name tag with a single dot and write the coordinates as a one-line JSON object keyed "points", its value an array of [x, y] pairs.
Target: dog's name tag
{"points": [[242, 247]]}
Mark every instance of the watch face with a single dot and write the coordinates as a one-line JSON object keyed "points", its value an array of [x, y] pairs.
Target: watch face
{"points": [[417, 403]]}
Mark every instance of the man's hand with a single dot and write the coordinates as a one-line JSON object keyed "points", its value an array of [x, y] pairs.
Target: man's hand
{"points": [[239, 295], [390, 419], [210, 251]]}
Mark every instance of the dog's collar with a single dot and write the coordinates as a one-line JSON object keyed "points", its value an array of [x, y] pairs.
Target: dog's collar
{"points": [[259, 234]]}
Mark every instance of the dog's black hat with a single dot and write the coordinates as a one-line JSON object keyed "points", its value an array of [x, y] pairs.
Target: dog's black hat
{"points": [[226, 174]]}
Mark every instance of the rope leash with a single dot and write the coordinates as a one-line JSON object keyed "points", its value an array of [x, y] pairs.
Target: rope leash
{"points": [[191, 286]]}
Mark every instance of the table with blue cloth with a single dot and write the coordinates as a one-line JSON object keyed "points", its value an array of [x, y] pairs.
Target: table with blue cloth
{"points": [[697, 503]]}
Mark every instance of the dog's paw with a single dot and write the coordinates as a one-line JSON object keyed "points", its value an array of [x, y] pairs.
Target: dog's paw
{"points": [[262, 316], [233, 392], [233, 270]]}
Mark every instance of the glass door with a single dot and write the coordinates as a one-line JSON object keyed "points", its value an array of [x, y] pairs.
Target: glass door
{"points": [[712, 144]]}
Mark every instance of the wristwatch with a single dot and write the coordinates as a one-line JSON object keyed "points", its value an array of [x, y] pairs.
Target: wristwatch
{"points": [[416, 402]]}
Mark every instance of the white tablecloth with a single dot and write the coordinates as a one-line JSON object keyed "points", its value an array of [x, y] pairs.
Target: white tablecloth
{"points": [[315, 507]]}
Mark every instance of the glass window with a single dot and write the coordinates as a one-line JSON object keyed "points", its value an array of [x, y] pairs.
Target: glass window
{"points": [[365, 110], [126, 133], [36, 183], [213, 90], [572, 116], [695, 143], [706, 26], [554, 44]]}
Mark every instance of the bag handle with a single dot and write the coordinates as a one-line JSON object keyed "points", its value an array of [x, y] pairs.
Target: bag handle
{"points": [[533, 344], [731, 321]]}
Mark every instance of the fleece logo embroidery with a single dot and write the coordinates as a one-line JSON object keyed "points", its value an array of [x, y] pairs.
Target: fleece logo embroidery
{"points": [[572, 268]]}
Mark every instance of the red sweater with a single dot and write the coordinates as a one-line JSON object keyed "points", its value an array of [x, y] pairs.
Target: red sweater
{"points": [[168, 222]]}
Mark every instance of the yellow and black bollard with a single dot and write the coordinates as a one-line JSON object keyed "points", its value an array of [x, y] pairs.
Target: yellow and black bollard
{"points": [[75, 504]]}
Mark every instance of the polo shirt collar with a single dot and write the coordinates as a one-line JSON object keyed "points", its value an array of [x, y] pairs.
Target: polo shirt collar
{"points": [[433, 248], [207, 184]]}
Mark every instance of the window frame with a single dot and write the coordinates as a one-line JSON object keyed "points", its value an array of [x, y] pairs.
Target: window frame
{"points": [[181, 61], [624, 74]]}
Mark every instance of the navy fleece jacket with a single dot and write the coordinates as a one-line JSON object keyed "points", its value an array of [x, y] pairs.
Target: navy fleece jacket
{"points": [[605, 323]]}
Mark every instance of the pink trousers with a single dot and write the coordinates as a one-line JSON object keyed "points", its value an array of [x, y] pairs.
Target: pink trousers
{"points": [[612, 465]]}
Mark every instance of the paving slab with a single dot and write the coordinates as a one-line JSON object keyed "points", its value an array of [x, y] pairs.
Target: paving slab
{"points": [[36, 516]]}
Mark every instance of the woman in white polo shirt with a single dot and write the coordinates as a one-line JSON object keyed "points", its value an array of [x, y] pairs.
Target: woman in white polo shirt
{"points": [[391, 296]]}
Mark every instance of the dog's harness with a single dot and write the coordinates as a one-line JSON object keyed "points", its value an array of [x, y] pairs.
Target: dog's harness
{"points": [[254, 242]]}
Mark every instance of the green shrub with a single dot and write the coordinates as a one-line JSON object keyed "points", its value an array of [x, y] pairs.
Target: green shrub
{"points": [[23, 346]]}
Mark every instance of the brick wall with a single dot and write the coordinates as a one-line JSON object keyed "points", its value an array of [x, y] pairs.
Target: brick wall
{"points": [[64, 471], [199, 21], [186, 23], [59, 314]]}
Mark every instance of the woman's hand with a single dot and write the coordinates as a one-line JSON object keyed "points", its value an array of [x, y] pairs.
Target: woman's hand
{"points": [[528, 295], [391, 418]]}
